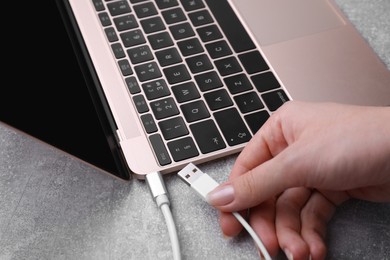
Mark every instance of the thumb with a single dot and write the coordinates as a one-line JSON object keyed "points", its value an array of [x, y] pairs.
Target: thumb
{"points": [[259, 184]]}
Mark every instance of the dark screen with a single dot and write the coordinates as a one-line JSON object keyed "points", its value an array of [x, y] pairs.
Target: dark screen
{"points": [[44, 93]]}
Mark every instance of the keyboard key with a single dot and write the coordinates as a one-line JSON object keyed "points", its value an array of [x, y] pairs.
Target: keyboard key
{"points": [[177, 74], [125, 22], [253, 62], [256, 120], [218, 49], [118, 8], [156, 89], [140, 104], [160, 40], [183, 149], [173, 16], [140, 54], [248, 102], [147, 71], [98, 4], [200, 18], [111, 34], [162, 4], [209, 33], [132, 85], [275, 99], [145, 10], [159, 149], [153, 24], [190, 5], [125, 67], [218, 99], [181, 31], [149, 124], [105, 19], [238, 83], [210, 140], [190, 47], [132, 38], [228, 66], [118, 50], [232, 126], [199, 63], [195, 111], [173, 128], [164, 108], [168, 57], [185, 92], [207, 81], [265, 81]]}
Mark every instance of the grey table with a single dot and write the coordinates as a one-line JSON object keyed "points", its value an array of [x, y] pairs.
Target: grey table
{"points": [[53, 206]]}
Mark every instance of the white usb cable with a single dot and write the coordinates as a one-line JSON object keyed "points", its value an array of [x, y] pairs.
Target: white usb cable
{"points": [[160, 196], [202, 183]]}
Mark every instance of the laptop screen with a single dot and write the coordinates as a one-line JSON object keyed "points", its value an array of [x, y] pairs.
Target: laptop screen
{"points": [[46, 95]]}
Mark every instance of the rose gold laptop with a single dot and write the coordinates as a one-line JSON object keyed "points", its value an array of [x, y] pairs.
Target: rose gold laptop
{"points": [[182, 81]]}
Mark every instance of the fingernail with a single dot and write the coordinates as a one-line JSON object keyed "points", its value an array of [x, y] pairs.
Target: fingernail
{"points": [[288, 254], [221, 195]]}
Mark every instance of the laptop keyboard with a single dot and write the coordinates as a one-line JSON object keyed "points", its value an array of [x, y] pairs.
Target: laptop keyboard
{"points": [[196, 78]]}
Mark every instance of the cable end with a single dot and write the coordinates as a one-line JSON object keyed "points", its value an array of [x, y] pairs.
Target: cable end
{"points": [[190, 174]]}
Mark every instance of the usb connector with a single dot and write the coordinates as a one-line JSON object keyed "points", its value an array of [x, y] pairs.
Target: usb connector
{"points": [[202, 183], [199, 181]]}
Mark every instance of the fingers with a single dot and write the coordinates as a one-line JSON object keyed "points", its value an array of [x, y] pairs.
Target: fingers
{"points": [[301, 219]]}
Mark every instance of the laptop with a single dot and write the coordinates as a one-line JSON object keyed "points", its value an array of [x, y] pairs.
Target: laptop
{"points": [[154, 85]]}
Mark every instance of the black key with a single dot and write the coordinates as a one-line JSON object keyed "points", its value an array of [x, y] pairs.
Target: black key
{"points": [[256, 120], [137, 1], [185, 92], [162, 4], [176, 74], [248, 102], [145, 10], [190, 47], [125, 22], [231, 25], [218, 49], [140, 54], [174, 15], [275, 99], [125, 67], [104, 19], [208, 80], [168, 57], [111, 34], [265, 81], [164, 108], [209, 33], [148, 71], [156, 89], [159, 149], [181, 31], [190, 5], [201, 17], [118, 8], [228, 66], [153, 24], [183, 149], [149, 124], [207, 136], [160, 40], [238, 83], [253, 62], [140, 104], [132, 38], [98, 4], [232, 126], [132, 85], [118, 50], [173, 128], [195, 111], [199, 63], [218, 99]]}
